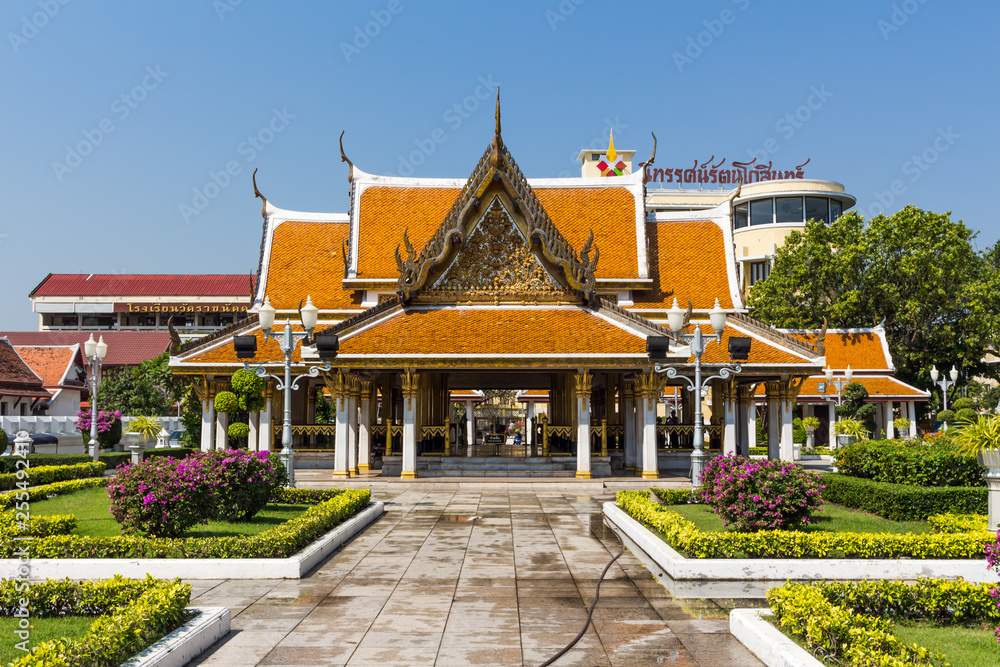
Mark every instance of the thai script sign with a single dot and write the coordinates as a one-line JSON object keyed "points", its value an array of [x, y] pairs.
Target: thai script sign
{"points": [[717, 173], [181, 307]]}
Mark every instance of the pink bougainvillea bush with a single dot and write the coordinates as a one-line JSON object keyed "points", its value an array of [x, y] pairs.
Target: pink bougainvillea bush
{"points": [[993, 561], [243, 481], [161, 497], [753, 495]]}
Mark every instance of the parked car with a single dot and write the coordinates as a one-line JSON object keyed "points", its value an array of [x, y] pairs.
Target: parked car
{"points": [[43, 439], [175, 439]]}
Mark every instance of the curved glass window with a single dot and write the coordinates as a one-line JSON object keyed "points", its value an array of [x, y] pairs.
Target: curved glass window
{"points": [[836, 209], [788, 209], [740, 215], [762, 212], [817, 208]]}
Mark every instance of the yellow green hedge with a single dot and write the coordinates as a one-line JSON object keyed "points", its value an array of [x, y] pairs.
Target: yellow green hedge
{"points": [[691, 542]]}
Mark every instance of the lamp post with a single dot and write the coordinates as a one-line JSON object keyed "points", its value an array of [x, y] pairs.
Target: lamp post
{"points": [[95, 351], [286, 339], [944, 384], [675, 320], [839, 383]]}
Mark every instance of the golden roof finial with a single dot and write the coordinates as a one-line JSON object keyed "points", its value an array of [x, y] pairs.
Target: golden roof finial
{"points": [[497, 137], [256, 193]]}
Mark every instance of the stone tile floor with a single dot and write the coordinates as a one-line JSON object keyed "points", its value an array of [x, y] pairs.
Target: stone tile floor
{"points": [[472, 577]]}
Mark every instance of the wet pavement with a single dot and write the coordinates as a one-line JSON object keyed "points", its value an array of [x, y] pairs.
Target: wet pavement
{"points": [[472, 577]]}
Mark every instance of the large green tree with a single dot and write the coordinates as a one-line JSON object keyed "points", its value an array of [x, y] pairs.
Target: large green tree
{"points": [[916, 270], [150, 389]]}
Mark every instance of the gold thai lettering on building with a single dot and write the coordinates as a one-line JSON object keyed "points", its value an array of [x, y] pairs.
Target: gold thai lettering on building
{"points": [[132, 307]]}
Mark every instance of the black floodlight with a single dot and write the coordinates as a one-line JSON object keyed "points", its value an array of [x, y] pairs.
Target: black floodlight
{"points": [[246, 346], [658, 346], [327, 346], [739, 348]]}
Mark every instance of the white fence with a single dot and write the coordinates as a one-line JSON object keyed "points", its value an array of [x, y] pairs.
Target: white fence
{"points": [[66, 425]]}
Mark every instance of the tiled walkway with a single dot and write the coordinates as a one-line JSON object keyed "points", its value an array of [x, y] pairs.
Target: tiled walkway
{"points": [[491, 577]]}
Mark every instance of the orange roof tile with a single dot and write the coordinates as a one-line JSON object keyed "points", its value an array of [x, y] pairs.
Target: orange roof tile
{"points": [[476, 331], [876, 386], [307, 257], [688, 261], [610, 212], [860, 351], [535, 393], [267, 351], [386, 212], [761, 351], [50, 363]]}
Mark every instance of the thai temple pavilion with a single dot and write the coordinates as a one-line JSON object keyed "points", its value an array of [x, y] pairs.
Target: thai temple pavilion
{"points": [[557, 287]]}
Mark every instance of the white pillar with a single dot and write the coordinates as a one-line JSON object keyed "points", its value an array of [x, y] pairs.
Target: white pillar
{"points": [[583, 390], [410, 390], [729, 414], [364, 428], [890, 428], [879, 421], [787, 444], [207, 422], [253, 421], [751, 424], [265, 434], [221, 430], [832, 418], [470, 427], [352, 432], [529, 414], [628, 419], [911, 413], [340, 400], [650, 459], [639, 431], [773, 422]]}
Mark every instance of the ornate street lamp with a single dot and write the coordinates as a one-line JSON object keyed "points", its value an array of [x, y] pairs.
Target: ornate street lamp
{"points": [[839, 383], [246, 347], [675, 320], [944, 384], [95, 351]]}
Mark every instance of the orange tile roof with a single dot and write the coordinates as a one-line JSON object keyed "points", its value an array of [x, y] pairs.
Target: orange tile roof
{"points": [[267, 351], [385, 212], [688, 261], [484, 331], [877, 387], [50, 363], [535, 393], [860, 351], [610, 212], [306, 257], [761, 351]]}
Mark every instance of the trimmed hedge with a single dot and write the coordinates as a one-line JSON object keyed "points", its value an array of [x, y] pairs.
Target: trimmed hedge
{"points": [[851, 623], [131, 615], [10, 498], [48, 474], [902, 502], [691, 542], [281, 541], [958, 523], [915, 464], [111, 459]]}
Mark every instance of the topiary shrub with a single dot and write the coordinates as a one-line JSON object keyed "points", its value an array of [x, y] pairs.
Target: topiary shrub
{"points": [[239, 430], [963, 404], [226, 401], [755, 495], [161, 497], [909, 462], [946, 416], [3, 440], [965, 415], [243, 482]]}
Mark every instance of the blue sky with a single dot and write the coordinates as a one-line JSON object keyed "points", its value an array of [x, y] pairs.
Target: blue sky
{"points": [[122, 119]]}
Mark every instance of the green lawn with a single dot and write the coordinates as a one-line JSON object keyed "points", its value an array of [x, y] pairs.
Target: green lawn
{"points": [[91, 508], [42, 630], [834, 518], [965, 647]]}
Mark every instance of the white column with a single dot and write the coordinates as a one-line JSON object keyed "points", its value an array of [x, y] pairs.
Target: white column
{"points": [[221, 430], [773, 422], [650, 460], [470, 427], [890, 428], [832, 417], [529, 414], [787, 444], [583, 390], [911, 414], [639, 429], [207, 422], [312, 395], [342, 438], [253, 421], [352, 433], [879, 422], [628, 419], [265, 434], [364, 428], [751, 424], [729, 415], [409, 428]]}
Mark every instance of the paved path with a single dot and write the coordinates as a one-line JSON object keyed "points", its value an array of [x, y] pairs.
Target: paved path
{"points": [[467, 577]]}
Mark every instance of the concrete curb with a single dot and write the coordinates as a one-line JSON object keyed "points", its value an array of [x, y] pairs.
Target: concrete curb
{"points": [[293, 567], [776, 571], [186, 642], [766, 642]]}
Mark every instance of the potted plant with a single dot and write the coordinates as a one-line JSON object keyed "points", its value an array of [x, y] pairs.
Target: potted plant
{"points": [[850, 431], [982, 438], [810, 424], [902, 426]]}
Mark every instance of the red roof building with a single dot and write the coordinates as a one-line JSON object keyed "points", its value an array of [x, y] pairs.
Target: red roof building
{"points": [[20, 387], [125, 348], [62, 373]]}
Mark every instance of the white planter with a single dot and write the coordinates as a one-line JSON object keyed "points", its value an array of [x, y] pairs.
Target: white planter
{"points": [[843, 439], [990, 459]]}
